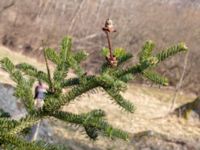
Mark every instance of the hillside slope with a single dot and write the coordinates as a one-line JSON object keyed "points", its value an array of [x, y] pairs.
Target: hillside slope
{"points": [[149, 126], [24, 24], [152, 106]]}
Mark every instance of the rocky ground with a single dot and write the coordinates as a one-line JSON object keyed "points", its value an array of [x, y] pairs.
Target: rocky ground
{"points": [[149, 126]]}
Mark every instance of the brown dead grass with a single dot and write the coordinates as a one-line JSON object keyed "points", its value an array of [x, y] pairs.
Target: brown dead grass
{"points": [[16, 58], [152, 106], [151, 103]]}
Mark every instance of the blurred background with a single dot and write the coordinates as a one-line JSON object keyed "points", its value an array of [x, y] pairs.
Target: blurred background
{"points": [[25, 23]]}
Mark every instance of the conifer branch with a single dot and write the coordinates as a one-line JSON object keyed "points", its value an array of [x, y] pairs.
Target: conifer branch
{"points": [[18, 142], [59, 74], [7, 124], [75, 81], [181, 47], [155, 78], [4, 114], [119, 54], [24, 92], [105, 66], [70, 82], [124, 58], [55, 104], [126, 105], [136, 69], [9, 67], [66, 45], [15, 142], [127, 77], [146, 51], [26, 122], [92, 119], [32, 71], [80, 56], [52, 55], [75, 66], [112, 79], [24, 86], [108, 81], [48, 73]]}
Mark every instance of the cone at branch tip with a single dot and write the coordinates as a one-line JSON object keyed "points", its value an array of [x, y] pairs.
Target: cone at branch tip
{"points": [[109, 27]]}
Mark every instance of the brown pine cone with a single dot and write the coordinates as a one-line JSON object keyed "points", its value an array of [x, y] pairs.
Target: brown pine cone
{"points": [[109, 26]]}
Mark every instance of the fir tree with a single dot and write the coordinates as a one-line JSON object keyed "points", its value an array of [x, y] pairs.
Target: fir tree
{"points": [[112, 77]]}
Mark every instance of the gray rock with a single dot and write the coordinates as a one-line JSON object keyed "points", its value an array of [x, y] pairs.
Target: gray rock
{"points": [[10, 103], [190, 111], [150, 140]]}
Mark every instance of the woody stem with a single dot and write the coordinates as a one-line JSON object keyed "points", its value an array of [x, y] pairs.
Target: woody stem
{"points": [[109, 44], [48, 70]]}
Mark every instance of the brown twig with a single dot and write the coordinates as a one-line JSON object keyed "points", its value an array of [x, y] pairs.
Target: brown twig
{"points": [[109, 28], [7, 6], [109, 44], [48, 70]]}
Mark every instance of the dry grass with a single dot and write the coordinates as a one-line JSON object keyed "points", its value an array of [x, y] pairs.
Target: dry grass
{"points": [[16, 58], [151, 104]]}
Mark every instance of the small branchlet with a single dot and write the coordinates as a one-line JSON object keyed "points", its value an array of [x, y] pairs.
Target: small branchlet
{"points": [[109, 28]]}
